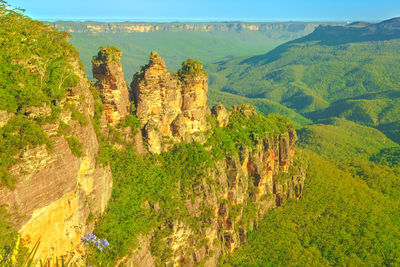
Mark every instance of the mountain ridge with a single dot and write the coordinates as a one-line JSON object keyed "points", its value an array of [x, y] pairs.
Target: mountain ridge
{"points": [[129, 27]]}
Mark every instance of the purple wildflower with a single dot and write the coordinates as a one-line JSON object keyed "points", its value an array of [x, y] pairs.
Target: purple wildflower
{"points": [[91, 239]]}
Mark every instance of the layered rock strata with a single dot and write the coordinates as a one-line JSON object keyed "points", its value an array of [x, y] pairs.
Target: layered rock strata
{"points": [[245, 186], [171, 108], [107, 69], [57, 194], [295, 29]]}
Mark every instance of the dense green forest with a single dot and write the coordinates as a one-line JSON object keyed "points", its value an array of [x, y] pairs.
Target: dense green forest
{"points": [[309, 73], [349, 213], [348, 72], [344, 79], [340, 220]]}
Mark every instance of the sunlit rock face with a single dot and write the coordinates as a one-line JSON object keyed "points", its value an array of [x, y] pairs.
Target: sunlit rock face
{"points": [[57, 194], [171, 107], [107, 69], [221, 114], [244, 187]]}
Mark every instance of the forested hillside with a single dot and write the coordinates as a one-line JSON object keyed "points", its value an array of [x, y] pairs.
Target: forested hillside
{"points": [[346, 80], [347, 71], [176, 41]]}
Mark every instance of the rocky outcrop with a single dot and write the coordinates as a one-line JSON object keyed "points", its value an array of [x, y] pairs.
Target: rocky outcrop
{"points": [[37, 112], [107, 69], [171, 108], [192, 122], [5, 116], [57, 194], [221, 114], [244, 187]]}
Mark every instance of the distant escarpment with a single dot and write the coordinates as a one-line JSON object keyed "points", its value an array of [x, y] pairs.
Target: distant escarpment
{"points": [[130, 27]]}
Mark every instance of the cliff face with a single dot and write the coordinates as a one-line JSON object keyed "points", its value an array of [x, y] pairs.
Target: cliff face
{"points": [[131, 27], [171, 108], [234, 194], [107, 69], [58, 194], [243, 188]]}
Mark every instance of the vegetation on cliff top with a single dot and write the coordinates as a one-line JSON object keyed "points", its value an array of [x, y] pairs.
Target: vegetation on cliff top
{"points": [[19, 133], [36, 68], [108, 54], [191, 68]]}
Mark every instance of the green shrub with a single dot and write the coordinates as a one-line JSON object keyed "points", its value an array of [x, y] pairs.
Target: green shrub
{"points": [[131, 121], [75, 146], [387, 156], [108, 54], [191, 68], [16, 135]]}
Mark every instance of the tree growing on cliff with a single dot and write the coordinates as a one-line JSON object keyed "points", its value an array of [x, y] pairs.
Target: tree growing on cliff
{"points": [[190, 68]]}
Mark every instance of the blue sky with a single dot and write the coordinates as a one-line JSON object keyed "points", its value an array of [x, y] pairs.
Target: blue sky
{"points": [[217, 10]]}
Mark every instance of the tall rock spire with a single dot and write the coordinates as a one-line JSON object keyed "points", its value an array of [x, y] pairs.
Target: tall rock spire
{"points": [[194, 83], [171, 108], [107, 69]]}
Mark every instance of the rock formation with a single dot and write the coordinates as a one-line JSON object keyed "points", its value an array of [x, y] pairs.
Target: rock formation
{"points": [[57, 195], [171, 108], [256, 177], [295, 29], [221, 114], [107, 69]]}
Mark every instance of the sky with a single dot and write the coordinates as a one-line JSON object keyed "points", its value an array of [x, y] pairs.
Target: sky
{"points": [[210, 10]]}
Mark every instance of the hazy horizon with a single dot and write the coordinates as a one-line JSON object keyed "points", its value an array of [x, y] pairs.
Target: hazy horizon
{"points": [[210, 11], [189, 20]]}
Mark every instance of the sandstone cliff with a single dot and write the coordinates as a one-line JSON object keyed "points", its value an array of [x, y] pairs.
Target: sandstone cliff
{"points": [[171, 108], [239, 188], [231, 198], [58, 193], [132, 27], [107, 69]]}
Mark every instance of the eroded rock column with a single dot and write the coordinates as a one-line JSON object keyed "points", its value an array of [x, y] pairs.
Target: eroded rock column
{"points": [[172, 108], [107, 69]]}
